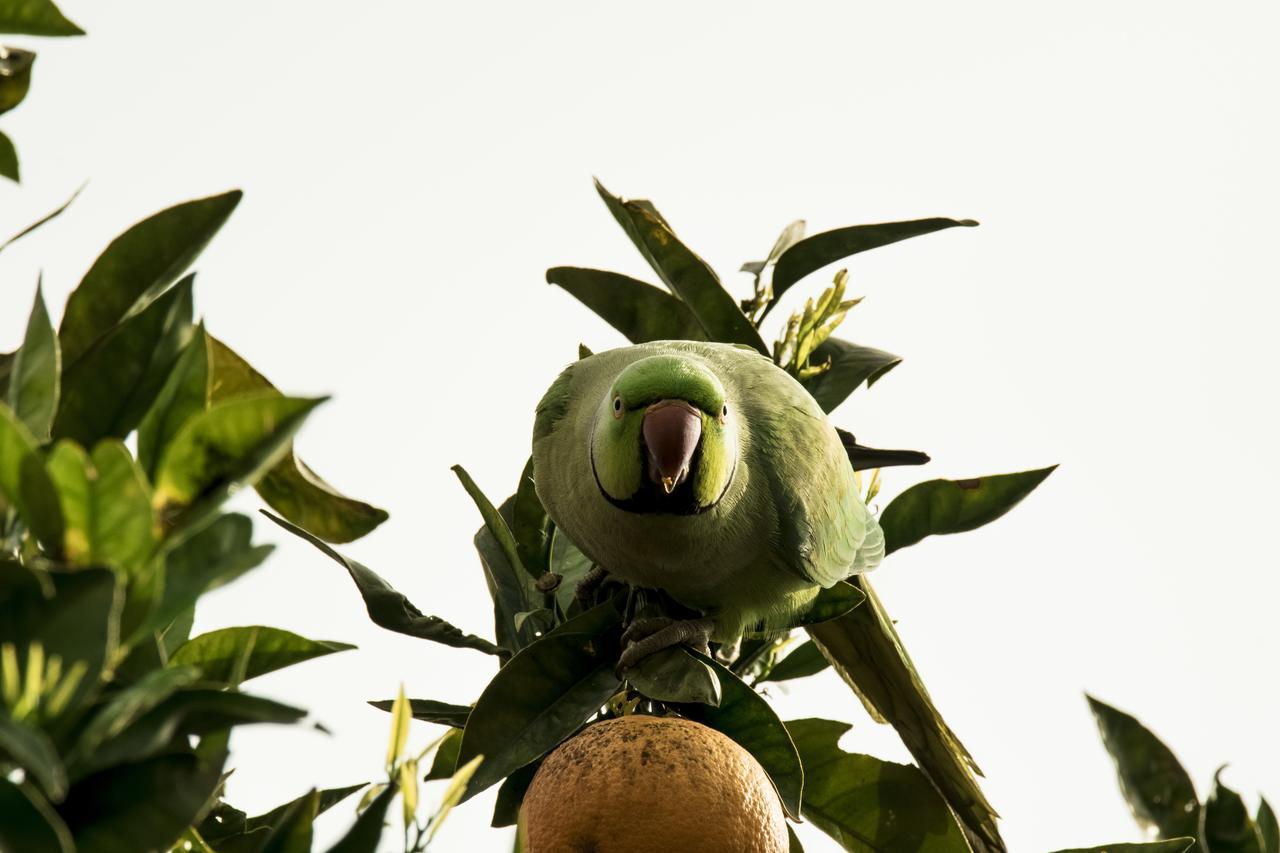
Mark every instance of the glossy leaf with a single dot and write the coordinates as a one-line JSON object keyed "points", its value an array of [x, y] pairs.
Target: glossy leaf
{"points": [[366, 832], [25, 484], [36, 372], [803, 661], [431, 711], [749, 721], [31, 749], [640, 311], [506, 808], [142, 805], [814, 253], [184, 395], [137, 267], [8, 159], [1225, 825], [851, 365], [106, 392], [674, 675], [30, 824], [229, 446], [234, 655], [390, 609], [938, 507], [128, 705], [867, 804], [36, 18], [291, 488], [1268, 827], [1172, 845], [1157, 788], [686, 274], [542, 696]]}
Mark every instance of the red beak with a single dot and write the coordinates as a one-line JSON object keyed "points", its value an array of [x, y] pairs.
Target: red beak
{"points": [[671, 431]]}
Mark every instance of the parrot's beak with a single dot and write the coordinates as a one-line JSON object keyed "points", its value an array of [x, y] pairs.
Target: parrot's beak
{"points": [[671, 431]]}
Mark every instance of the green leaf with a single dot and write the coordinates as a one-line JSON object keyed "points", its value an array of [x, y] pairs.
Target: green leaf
{"points": [[494, 521], [867, 804], [184, 395], [36, 18], [390, 609], [445, 762], [835, 601], [30, 824], [639, 311], [803, 661], [231, 445], [571, 565], [37, 367], [793, 841], [48, 217], [325, 799], [1172, 845], [192, 711], [32, 750], [233, 655], [1268, 827], [512, 589], [1225, 825], [851, 365], [686, 274], [142, 805], [366, 832], [542, 695], [937, 507], [25, 483], [291, 488], [106, 392], [674, 675], [746, 718], [78, 623], [814, 253], [530, 525], [1158, 790], [506, 810], [15, 75], [291, 830], [431, 711], [127, 706], [8, 159], [137, 267]]}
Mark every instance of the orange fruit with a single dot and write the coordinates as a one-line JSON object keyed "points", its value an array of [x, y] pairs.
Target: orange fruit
{"points": [[641, 784]]}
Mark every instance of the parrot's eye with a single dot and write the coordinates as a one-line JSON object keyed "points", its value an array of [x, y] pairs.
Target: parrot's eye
{"points": [[724, 412], [617, 406]]}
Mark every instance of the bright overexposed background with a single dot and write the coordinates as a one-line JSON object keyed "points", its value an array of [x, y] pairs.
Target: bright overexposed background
{"points": [[411, 169]]}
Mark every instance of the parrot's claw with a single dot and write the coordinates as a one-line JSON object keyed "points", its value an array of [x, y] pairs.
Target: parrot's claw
{"points": [[585, 592], [648, 636]]}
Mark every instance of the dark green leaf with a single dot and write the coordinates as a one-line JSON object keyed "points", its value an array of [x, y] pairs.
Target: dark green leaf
{"points": [[291, 830], [639, 311], [867, 804], [366, 832], [143, 805], [1158, 790], [512, 589], [506, 810], [291, 488], [30, 824], [530, 526], [234, 655], [137, 267], [674, 675], [431, 711], [793, 841], [106, 392], [58, 211], [542, 696], [184, 395], [937, 507], [127, 706], [836, 600], [863, 458], [1172, 845], [36, 18], [1268, 827], [814, 253], [571, 565], [1225, 825], [32, 750], [851, 365], [34, 376], [445, 761], [8, 158], [15, 75], [25, 483], [804, 661], [231, 445], [325, 800], [686, 274], [390, 609], [748, 720], [494, 521]]}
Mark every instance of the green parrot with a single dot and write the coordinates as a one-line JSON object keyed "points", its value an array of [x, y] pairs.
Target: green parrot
{"points": [[706, 471]]}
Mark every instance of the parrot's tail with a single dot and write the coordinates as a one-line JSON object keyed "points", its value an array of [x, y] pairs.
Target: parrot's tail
{"points": [[865, 649]]}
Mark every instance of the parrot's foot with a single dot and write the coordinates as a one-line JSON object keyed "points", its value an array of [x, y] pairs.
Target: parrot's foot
{"points": [[650, 635], [728, 652], [591, 581]]}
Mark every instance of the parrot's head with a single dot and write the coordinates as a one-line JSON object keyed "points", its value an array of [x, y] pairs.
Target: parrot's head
{"points": [[665, 438]]}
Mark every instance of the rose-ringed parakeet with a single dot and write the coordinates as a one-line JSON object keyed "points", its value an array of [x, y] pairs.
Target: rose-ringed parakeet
{"points": [[706, 471]]}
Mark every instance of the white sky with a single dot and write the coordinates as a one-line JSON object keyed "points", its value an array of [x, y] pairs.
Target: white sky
{"points": [[411, 169]]}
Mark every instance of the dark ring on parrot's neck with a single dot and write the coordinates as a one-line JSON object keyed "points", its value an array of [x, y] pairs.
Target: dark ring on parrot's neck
{"points": [[652, 500]]}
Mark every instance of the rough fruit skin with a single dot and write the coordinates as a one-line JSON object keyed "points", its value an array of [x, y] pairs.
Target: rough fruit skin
{"points": [[641, 784]]}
